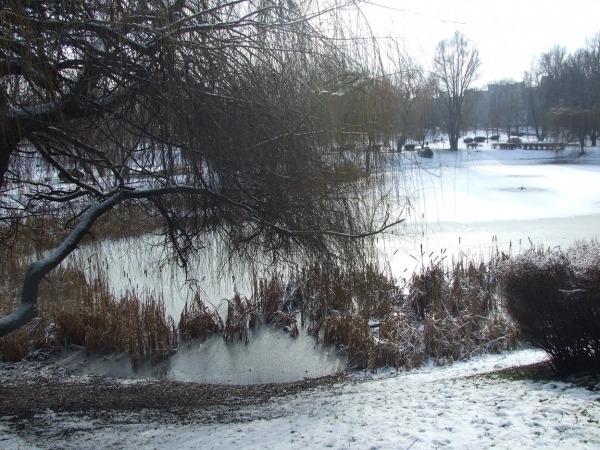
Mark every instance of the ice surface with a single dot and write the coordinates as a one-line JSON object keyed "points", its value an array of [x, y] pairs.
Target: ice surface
{"points": [[471, 202], [483, 200]]}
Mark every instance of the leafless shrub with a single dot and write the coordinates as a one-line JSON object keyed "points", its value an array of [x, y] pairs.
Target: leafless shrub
{"points": [[554, 296]]}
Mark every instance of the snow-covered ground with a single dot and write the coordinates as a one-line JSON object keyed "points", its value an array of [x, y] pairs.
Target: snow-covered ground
{"points": [[433, 407]]}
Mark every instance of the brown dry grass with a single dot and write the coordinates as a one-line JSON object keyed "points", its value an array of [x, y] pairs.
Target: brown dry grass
{"points": [[198, 321], [242, 314], [446, 313], [73, 310]]}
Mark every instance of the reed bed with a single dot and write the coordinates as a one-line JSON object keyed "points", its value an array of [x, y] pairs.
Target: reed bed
{"points": [[242, 314], [444, 313], [198, 321], [75, 311]]}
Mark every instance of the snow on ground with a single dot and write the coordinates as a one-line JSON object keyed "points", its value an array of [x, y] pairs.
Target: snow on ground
{"points": [[434, 407]]}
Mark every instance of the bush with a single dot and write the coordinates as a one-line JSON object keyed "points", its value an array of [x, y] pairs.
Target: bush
{"points": [[426, 152], [555, 298]]}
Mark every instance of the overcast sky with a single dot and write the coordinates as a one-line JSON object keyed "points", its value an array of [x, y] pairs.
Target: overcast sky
{"points": [[508, 33]]}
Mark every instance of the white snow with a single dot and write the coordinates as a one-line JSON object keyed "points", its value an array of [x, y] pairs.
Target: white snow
{"points": [[450, 407], [485, 199]]}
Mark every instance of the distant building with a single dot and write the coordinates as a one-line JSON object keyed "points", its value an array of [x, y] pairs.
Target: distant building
{"points": [[507, 103]]}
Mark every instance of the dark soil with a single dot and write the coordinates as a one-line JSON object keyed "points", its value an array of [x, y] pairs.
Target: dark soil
{"points": [[544, 372], [28, 390], [25, 394]]}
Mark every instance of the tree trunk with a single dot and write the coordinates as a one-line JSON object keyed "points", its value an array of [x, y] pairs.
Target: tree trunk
{"points": [[7, 148], [453, 142], [28, 309], [368, 157]]}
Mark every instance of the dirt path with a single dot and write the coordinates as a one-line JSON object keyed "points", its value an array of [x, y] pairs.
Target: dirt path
{"points": [[27, 389]]}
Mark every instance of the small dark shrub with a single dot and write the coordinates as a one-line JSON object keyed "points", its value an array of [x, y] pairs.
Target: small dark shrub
{"points": [[555, 298], [426, 152]]}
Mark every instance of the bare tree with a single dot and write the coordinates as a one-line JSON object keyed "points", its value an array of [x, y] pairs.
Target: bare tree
{"points": [[362, 106], [206, 112], [573, 86], [592, 56], [535, 100], [456, 64], [575, 122]]}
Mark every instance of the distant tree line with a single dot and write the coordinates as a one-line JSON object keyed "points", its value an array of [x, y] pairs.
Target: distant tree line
{"points": [[566, 92], [558, 98]]}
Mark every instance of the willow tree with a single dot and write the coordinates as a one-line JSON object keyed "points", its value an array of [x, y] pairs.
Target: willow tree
{"points": [[455, 64], [362, 108], [206, 112]]}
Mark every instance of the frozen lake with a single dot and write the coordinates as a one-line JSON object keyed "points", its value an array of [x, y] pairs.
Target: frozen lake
{"points": [[473, 202], [478, 201]]}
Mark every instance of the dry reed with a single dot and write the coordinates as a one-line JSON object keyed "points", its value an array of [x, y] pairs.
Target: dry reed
{"points": [[441, 313], [198, 321], [242, 314], [73, 310]]}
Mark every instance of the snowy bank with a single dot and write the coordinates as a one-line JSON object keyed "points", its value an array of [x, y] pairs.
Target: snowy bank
{"points": [[434, 407]]}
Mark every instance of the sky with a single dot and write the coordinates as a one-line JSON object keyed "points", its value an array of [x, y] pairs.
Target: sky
{"points": [[508, 33]]}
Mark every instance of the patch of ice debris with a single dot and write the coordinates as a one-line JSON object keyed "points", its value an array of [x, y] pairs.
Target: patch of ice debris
{"points": [[433, 407]]}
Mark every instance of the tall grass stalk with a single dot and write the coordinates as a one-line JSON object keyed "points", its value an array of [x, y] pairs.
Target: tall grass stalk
{"points": [[443, 312]]}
